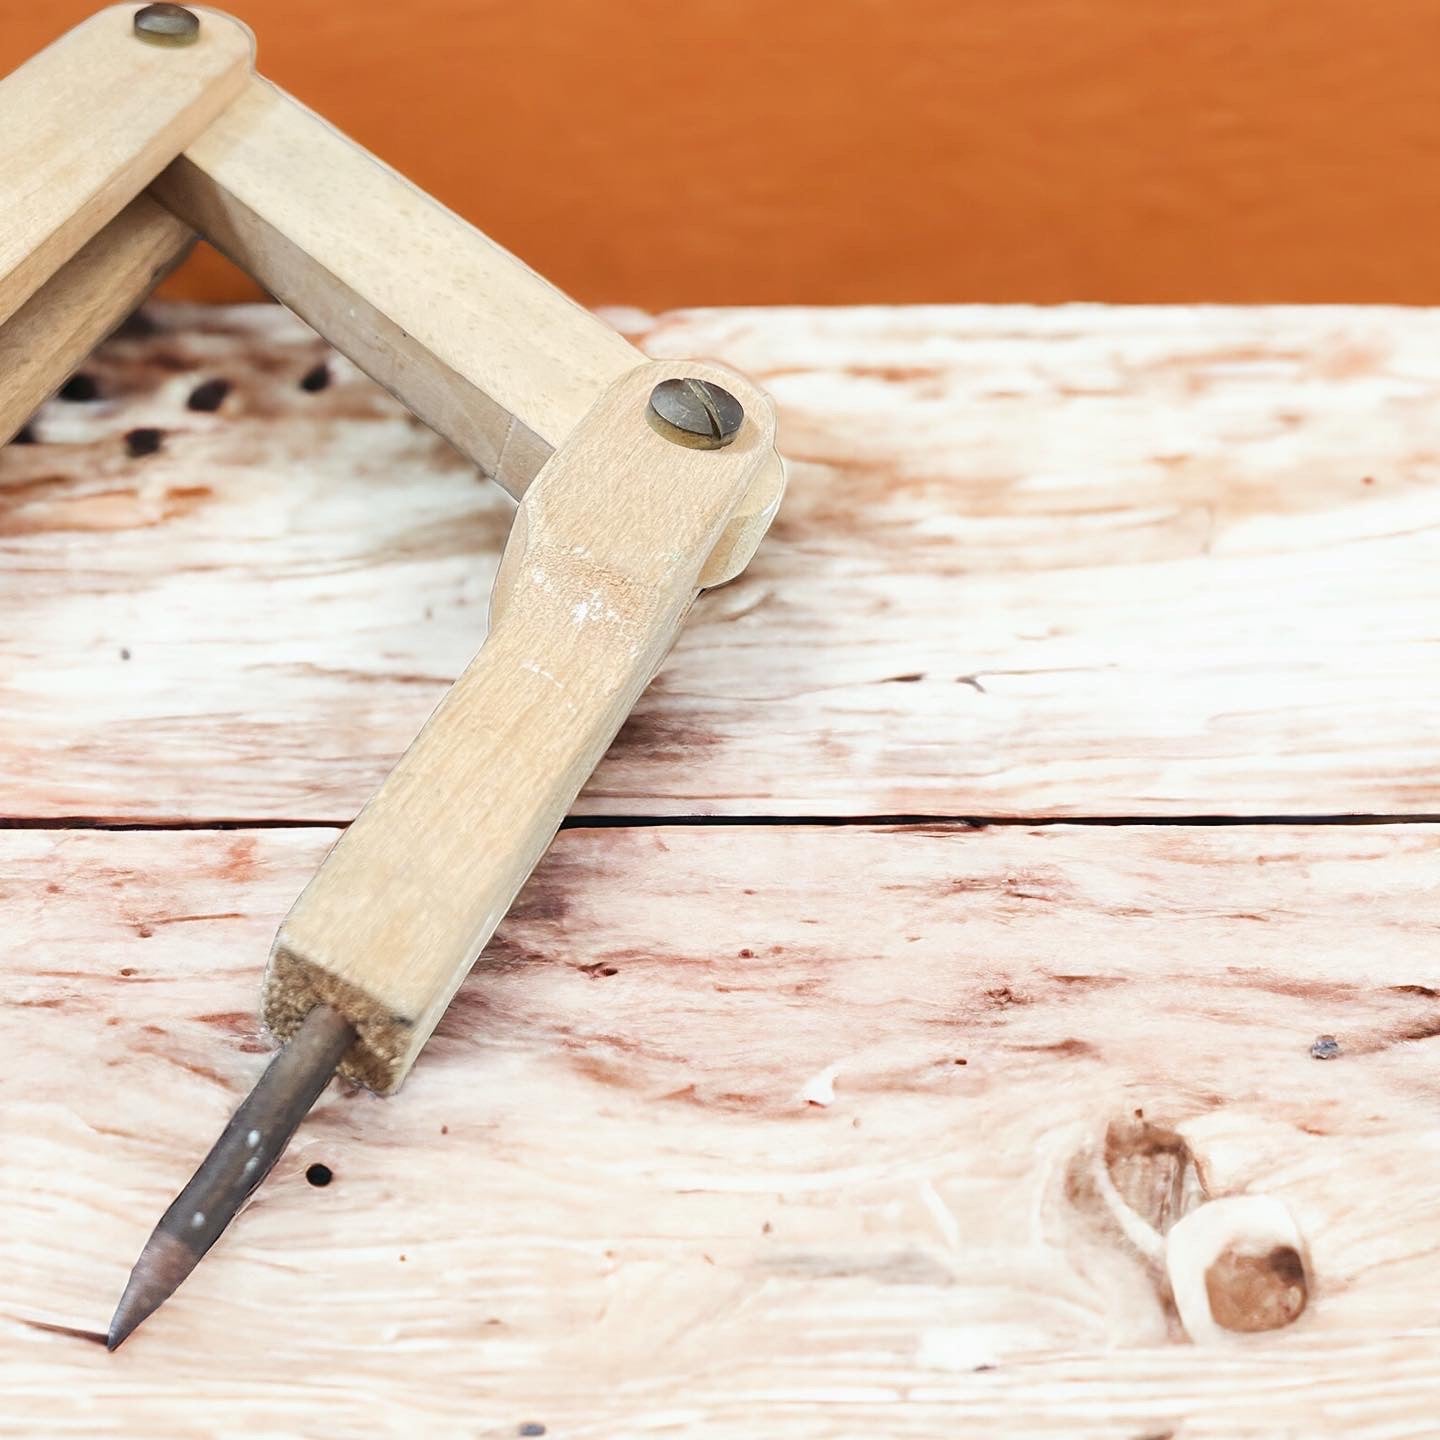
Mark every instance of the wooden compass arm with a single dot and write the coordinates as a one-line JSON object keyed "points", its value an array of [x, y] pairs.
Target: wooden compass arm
{"points": [[91, 293], [84, 126], [604, 561], [479, 346], [87, 123]]}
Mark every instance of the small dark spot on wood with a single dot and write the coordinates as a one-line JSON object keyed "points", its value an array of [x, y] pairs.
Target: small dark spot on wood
{"points": [[402, 1259], [982, 1369], [972, 682], [766, 1228], [144, 931], [53, 889], [708, 1259], [80, 386], [855, 1123], [127, 970], [23, 436], [531, 1428], [747, 954], [747, 891], [316, 378], [598, 969], [1324, 1047], [909, 679], [444, 1129], [319, 1175], [1368, 480], [144, 441], [1071, 1046], [1002, 997], [960, 1061], [124, 652], [1424, 990], [208, 396]]}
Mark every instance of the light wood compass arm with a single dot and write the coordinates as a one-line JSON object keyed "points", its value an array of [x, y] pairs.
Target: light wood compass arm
{"points": [[601, 568]]}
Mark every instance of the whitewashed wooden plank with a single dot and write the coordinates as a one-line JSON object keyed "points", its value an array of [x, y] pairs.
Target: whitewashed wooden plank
{"points": [[1055, 562], [692, 1154]]}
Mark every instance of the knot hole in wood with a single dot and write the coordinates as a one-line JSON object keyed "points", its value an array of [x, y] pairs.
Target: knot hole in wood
{"points": [[1226, 1267]]}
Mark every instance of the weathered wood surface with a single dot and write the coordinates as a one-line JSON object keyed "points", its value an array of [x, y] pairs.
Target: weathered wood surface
{"points": [[694, 1153], [1036, 563]]}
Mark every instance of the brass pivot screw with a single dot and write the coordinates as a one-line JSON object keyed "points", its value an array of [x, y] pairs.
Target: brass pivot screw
{"points": [[695, 413], [167, 25]]}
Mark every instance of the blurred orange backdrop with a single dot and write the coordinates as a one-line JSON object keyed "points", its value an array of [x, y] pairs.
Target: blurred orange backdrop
{"points": [[728, 151]]}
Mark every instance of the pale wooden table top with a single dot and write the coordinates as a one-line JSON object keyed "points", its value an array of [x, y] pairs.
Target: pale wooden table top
{"points": [[780, 1106]]}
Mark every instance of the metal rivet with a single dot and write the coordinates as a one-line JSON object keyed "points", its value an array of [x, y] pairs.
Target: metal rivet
{"points": [[167, 25], [695, 413]]}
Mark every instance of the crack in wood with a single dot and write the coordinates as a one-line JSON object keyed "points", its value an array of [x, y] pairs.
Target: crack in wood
{"points": [[644, 822]]}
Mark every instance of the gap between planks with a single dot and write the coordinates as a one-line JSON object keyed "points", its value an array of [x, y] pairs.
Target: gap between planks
{"points": [[654, 822]]}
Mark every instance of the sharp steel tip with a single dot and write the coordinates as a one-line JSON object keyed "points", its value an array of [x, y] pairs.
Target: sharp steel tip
{"points": [[249, 1145], [163, 1264]]}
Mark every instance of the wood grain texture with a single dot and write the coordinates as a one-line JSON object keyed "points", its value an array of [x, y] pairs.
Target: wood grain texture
{"points": [[694, 1152], [90, 121], [83, 302], [1031, 562]]}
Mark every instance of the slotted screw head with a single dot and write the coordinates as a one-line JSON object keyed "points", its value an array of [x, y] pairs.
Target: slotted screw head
{"points": [[695, 413], [167, 25]]}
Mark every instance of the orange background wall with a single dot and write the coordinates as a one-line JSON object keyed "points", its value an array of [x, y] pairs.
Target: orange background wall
{"points": [[725, 151]]}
